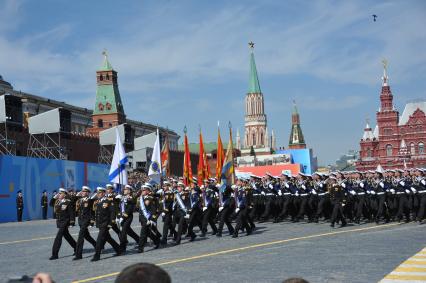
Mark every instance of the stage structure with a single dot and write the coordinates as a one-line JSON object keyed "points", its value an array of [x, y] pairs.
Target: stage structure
{"points": [[46, 132], [10, 123], [107, 141]]}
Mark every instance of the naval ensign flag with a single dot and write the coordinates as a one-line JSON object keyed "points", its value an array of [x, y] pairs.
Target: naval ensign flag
{"points": [[154, 172], [117, 173]]}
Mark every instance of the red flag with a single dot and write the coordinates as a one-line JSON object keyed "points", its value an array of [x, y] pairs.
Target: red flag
{"points": [[203, 166], [220, 156], [187, 170], [165, 157]]}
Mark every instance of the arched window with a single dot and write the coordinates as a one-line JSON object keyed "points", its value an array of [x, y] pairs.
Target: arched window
{"points": [[100, 123], [101, 106], [369, 152], [101, 77], [389, 150], [107, 77], [261, 138], [421, 148], [412, 149], [254, 139]]}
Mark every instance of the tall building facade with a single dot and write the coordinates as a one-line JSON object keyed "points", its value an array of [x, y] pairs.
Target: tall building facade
{"points": [[396, 141], [256, 132]]}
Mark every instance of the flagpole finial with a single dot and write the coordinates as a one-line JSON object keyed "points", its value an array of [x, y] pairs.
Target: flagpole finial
{"points": [[199, 127], [229, 125], [185, 130], [218, 123]]}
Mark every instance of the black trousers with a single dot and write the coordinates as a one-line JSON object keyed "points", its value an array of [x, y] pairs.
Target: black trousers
{"points": [[337, 213], [241, 221], [208, 218], [359, 207], [103, 237], [320, 207], [302, 207], [44, 210], [82, 235], [422, 208], [225, 218], [115, 228], [126, 229], [62, 232], [181, 222], [168, 225], [148, 231], [194, 220], [269, 207], [19, 212], [403, 207]]}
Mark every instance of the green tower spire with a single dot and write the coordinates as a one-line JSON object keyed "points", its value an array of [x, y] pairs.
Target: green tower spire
{"points": [[254, 86], [297, 141], [108, 99]]}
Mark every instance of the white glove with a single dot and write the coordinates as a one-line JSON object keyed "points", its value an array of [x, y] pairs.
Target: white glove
{"points": [[297, 194], [402, 183], [407, 191], [186, 216], [304, 187], [321, 185], [343, 185], [118, 196], [287, 186], [314, 192], [368, 192], [262, 193], [237, 210], [280, 193], [220, 208], [413, 190], [423, 182], [392, 191], [343, 204], [352, 192], [271, 186], [373, 192], [361, 185], [204, 208], [382, 184], [163, 214]]}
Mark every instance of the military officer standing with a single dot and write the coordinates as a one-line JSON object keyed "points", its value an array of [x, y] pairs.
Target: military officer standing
{"points": [[105, 217], [65, 217], [86, 217], [44, 204], [19, 205]]}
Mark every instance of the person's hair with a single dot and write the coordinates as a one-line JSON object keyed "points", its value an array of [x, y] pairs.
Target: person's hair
{"points": [[295, 280], [143, 272]]}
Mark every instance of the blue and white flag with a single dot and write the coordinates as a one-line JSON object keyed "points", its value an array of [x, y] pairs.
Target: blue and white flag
{"points": [[154, 172], [117, 173]]}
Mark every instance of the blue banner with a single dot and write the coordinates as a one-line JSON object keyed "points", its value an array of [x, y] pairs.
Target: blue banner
{"points": [[34, 175]]}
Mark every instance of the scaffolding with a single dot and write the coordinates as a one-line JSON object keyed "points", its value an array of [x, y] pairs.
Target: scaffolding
{"points": [[7, 145]]}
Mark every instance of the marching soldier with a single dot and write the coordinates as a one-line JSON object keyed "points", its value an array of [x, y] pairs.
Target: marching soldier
{"points": [[148, 218], [241, 211], [226, 208], [181, 214], [208, 195], [44, 204], [19, 205], [105, 217], [86, 218], [167, 212], [112, 198], [338, 200], [126, 209], [65, 217], [194, 211]]}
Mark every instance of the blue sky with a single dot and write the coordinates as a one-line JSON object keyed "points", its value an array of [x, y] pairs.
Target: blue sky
{"points": [[186, 62]]}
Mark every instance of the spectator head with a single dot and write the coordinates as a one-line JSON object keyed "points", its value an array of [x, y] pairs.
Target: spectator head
{"points": [[295, 280], [143, 272]]}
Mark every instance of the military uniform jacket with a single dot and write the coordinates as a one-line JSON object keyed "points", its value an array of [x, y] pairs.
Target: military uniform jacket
{"points": [[65, 215], [84, 209], [105, 212], [127, 206], [167, 202], [19, 202], [337, 194], [147, 208], [44, 201]]}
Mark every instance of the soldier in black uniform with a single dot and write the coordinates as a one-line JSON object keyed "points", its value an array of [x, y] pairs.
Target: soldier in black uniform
{"points": [[65, 216], [111, 197], [19, 205], [52, 204], [241, 211], [86, 217], [167, 212], [338, 200], [148, 215], [44, 204], [180, 215], [208, 196], [226, 208], [125, 214], [105, 216]]}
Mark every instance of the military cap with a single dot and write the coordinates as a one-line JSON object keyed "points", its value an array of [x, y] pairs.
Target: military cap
{"points": [[100, 189], [85, 189]]}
